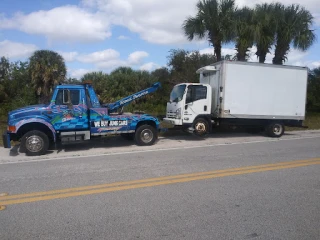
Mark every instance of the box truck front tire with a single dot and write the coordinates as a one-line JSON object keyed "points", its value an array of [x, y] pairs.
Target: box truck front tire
{"points": [[275, 130], [201, 127]]}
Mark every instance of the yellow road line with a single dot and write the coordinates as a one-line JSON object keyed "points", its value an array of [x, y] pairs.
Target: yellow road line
{"points": [[187, 175], [17, 199]]}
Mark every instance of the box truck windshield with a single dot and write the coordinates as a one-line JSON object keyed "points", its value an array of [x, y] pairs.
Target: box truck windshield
{"points": [[177, 93]]}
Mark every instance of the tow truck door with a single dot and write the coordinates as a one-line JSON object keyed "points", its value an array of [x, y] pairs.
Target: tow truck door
{"points": [[69, 110]]}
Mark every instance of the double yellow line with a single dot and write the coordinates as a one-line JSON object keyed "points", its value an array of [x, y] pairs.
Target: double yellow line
{"points": [[151, 182]]}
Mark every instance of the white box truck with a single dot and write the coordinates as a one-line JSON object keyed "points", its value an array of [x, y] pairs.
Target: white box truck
{"points": [[253, 95]]}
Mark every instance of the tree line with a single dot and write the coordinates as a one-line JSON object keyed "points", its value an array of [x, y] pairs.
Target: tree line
{"points": [[32, 81], [265, 26]]}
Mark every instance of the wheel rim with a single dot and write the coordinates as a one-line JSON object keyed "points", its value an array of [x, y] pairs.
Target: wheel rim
{"points": [[34, 143], [146, 136], [277, 129], [200, 127]]}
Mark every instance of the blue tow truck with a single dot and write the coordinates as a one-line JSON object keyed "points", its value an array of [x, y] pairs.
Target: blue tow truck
{"points": [[75, 114]]}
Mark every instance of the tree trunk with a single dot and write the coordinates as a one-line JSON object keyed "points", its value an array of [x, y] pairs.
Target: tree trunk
{"points": [[217, 50], [280, 53], [241, 52], [262, 54]]}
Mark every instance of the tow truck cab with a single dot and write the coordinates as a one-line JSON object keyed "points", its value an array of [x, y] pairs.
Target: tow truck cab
{"points": [[75, 114]]}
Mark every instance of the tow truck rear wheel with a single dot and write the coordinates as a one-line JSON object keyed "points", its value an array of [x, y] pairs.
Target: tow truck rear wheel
{"points": [[146, 135], [35, 143]]}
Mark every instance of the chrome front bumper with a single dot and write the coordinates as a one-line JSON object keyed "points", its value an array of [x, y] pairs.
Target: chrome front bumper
{"points": [[176, 122]]}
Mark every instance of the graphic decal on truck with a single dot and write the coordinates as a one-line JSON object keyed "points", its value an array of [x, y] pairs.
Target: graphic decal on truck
{"points": [[112, 123]]}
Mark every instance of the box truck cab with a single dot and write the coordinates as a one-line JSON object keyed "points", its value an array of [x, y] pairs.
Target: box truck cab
{"points": [[253, 95]]}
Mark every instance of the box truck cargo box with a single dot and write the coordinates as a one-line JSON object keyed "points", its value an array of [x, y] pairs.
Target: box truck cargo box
{"points": [[257, 96]]}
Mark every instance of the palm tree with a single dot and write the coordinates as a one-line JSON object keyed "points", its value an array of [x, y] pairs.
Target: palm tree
{"points": [[264, 29], [47, 68], [214, 21], [293, 26], [244, 29], [99, 81]]}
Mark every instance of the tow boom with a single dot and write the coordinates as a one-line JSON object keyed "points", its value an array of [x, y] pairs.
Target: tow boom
{"points": [[112, 107]]}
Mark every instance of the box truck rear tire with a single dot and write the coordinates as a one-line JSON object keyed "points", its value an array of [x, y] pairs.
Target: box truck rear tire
{"points": [[275, 130]]}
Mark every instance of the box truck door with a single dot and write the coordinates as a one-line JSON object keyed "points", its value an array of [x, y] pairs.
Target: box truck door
{"points": [[198, 102]]}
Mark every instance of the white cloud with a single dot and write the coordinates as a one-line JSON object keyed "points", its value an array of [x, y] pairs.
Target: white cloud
{"points": [[149, 66], [69, 56], [78, 73], [121, 37], [315, 64], [317, 18], [101, 56], [111, 64], [135, 58], [16, 50], [155, 21], [159, 21], [66, 23], [109, 59]]}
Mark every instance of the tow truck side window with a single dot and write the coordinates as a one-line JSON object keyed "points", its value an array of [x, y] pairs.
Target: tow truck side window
{"points": [[63, 97]]}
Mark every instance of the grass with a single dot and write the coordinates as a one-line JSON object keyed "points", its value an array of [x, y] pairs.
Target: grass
{"points": [[3, 128], [312, 121]]}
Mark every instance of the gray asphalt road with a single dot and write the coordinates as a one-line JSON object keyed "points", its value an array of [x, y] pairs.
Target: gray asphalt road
{"points": [[266, 202]]}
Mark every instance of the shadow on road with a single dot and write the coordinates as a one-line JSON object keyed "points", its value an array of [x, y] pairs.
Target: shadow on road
{"points": [[119, 142]]}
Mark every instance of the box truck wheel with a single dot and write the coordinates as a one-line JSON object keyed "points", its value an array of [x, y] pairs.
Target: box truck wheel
{"points": [[201, 126], [146, 135], [35, 143], [275, 130]]}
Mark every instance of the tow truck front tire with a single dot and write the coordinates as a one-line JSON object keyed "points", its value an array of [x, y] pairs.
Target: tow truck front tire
{"points": [[146, 135], [35, 143]]}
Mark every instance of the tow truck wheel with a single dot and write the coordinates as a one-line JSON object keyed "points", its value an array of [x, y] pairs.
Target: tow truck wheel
{"points": [[201, 127], [146, 135], [35, 143]]}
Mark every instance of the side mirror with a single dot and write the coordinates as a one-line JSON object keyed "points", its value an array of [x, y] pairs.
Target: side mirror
{"points": [[67, 99]]}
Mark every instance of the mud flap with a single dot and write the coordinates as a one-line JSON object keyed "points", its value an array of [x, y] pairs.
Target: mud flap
{"points": [[6, 140]]}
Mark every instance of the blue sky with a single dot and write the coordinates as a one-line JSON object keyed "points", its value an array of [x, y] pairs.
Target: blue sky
{"points": [[100, 35]]}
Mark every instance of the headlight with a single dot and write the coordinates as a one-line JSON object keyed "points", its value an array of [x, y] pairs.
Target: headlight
{"points": [[178, 113]]}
